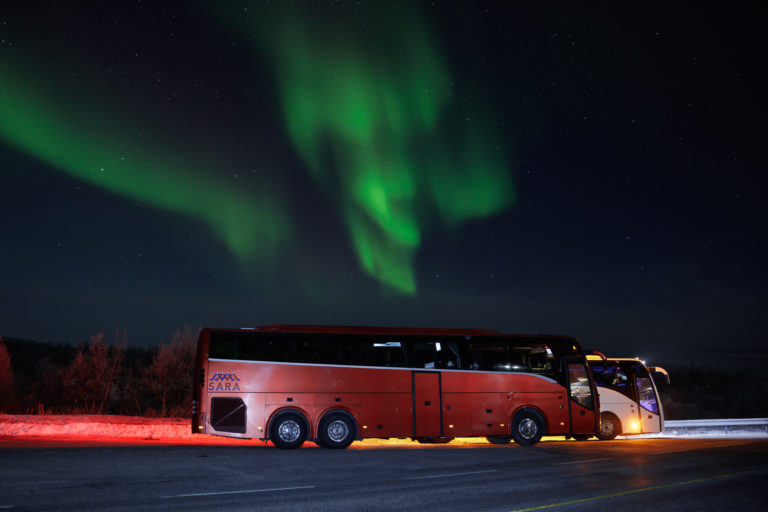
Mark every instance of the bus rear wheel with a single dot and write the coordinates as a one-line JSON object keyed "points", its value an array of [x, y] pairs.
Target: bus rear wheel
{"points": [[336, 431], [610, 427], [288, 431], [527, 427]]}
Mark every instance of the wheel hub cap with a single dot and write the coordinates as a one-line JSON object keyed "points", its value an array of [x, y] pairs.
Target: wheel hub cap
{"points": [[289, 431], [527, 428], [337, 431]]}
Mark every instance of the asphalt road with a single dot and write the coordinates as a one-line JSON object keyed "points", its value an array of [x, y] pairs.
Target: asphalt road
{"points": [[621, 475]]}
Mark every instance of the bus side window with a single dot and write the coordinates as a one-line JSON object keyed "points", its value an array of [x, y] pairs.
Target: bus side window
{"points": [[224, 346], [319, 350], [425, 354], [379, 352], [491, 355]]}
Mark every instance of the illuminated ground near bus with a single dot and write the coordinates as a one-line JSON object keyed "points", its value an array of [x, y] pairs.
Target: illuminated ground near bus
{"points": [[73, 430], [53, 430]]}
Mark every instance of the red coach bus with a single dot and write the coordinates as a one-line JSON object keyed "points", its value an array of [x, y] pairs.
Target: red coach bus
{"points": [[333, 385]]}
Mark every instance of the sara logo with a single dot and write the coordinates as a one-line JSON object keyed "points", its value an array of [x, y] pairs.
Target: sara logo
{"points": [[223, 381]]}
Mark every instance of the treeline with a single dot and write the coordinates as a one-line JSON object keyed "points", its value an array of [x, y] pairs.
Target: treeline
{"points": [[697, 392], [98, 377]]}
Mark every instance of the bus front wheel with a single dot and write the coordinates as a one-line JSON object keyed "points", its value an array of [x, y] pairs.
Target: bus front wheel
{"points": [[610, 427], [336, 431], [527, 427], [288, 431]]}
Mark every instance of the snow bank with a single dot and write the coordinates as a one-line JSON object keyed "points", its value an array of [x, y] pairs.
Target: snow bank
{"points": [[95, 425]]}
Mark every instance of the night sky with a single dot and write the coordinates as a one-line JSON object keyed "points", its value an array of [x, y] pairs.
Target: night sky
{"points": [[590, 170]]}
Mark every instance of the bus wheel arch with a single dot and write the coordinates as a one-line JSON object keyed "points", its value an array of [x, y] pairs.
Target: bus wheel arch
{"points": [[337, 429], [610, 426], [288, 428], [528, 426]]}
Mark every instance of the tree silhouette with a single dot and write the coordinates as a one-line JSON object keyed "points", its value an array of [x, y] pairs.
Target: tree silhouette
{"points": [[169, 377], [7, 394], [87, 381]]}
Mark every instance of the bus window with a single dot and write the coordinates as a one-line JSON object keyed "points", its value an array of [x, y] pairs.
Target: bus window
{"points": [[540, 359], [320, 350], [495, 355], [647, 397], [378, 352], [224, 347], [613, 377], [252, 348], [431, 354], [581, 392]]}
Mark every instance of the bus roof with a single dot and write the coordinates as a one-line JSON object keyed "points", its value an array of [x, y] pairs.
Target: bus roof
{"points": [[593, 359], [415, 331]]}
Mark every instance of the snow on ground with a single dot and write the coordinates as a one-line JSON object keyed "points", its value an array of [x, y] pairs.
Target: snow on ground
{"points": [[95, 425], [179, 429]]}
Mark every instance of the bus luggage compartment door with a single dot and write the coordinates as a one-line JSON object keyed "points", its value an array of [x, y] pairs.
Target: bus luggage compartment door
{"points": [[427, 404]]}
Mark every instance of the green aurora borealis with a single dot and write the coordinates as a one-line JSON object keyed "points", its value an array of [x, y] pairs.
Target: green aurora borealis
{"points": [[369, 115], [93, 149], [371, 107]]}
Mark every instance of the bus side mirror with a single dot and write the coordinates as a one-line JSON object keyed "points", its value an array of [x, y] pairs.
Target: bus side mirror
{"points": [[659, 374], [596, 353]]}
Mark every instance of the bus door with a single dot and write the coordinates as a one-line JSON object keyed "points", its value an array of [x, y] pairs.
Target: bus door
{"points": [[581, 405], [650, 419], [427, 404]]}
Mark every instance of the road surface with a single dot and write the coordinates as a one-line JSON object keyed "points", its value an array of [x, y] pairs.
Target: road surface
{"points": [[622, 475]]}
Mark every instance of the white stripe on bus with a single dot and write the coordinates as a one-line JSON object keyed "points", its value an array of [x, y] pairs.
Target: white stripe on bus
{"points": [[246, 361]]}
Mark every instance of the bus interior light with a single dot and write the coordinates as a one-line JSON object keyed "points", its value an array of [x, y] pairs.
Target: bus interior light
{"points": [[395, 344]]}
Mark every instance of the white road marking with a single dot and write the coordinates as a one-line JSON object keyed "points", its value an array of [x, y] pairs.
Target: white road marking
{"points": [[583, 460], [247, 491], [452, 474], [7, 506]]}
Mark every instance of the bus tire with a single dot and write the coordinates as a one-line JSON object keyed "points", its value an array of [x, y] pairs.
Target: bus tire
{"points": [[288, 430], [499, 439], [337, 430], [527, 427], [610, 427]]}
